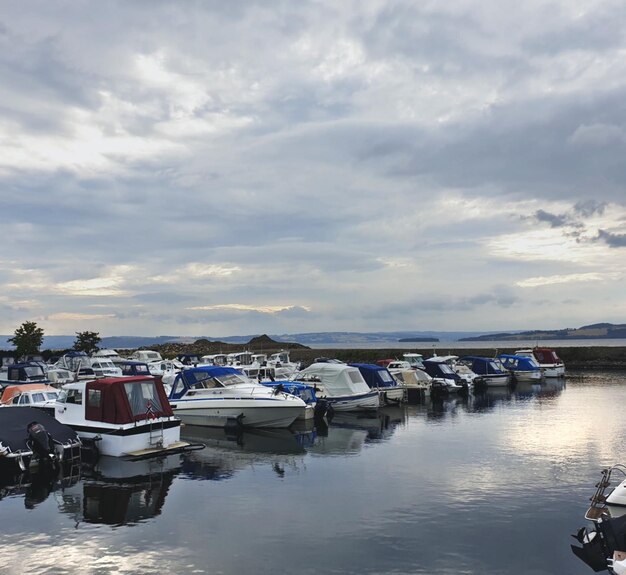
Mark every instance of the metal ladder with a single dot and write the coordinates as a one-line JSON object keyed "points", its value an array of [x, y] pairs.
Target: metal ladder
{"points": [[156, 434]]}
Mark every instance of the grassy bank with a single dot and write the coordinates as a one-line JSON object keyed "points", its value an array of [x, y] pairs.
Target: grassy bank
{"points": [[579, 358]]}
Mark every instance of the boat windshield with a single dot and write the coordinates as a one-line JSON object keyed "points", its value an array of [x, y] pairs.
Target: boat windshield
{"points": [[231, 379], [385, 376], [143, 397]]}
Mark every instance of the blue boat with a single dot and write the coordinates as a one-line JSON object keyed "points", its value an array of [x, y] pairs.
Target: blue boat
{"points": [[16, 373], [380, 379], [521, 367], [489, 371]]}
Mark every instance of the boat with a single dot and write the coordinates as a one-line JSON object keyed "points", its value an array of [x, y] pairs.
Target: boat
{"points": [[39, 395], [415, 360], [145, 355], [78, 362], [549, 362], [216, 396], [341, 385], [18, 373], [416, 382], [603, 547], [110, 354], [104, 367], [132, 368], [380, 379], [521, 367], [284, 368], [31, 439], [489, 371], [445, 380], [121, 416]]}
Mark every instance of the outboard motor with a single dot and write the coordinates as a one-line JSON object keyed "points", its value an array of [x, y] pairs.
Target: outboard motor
{"points": [[40, 443]]}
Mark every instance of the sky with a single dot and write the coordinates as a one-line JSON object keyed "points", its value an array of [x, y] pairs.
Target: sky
{"points": [[226, 168]]}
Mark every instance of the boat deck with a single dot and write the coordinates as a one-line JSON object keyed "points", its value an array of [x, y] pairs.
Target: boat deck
{"points": [[152, 451]]}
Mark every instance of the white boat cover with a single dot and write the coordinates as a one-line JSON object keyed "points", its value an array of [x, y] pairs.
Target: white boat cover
{"points": [[338, 379]]}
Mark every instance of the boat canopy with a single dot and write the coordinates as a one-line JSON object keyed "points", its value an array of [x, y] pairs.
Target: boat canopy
{"points": [[337, 378], [483, 365], [438, 367], [375, 376], [15, 421], [518, 362], [25, 372], [546, 355], [305, 392], [125, 399]]}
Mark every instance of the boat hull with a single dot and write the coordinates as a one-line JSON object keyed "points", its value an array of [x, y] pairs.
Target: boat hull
{"points": [[528, 376], [130, 440], [248, 413], [553, 370], [360, 402]]}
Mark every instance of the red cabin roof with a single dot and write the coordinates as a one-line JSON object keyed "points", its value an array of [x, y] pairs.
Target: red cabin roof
{"points": [[125, 399]]}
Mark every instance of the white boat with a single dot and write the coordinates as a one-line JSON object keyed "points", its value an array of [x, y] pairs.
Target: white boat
{"points": [[121, 417], [340, 385], [284, 368], [104, 367], [415, 360], [218, 396], [549, 362], [110, 354]]}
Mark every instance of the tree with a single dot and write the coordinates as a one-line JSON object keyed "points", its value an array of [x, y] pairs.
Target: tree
{"points": [[87, 341], [27, 339]]}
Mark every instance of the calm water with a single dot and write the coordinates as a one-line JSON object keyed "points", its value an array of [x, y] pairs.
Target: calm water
{"points": [[493, 484]]}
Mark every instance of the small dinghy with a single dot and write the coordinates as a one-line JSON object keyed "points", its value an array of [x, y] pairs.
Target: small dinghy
{"points": [[31, 439]]}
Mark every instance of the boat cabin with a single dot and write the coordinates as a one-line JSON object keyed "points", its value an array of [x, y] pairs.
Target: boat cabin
{"points": [[205, 377], [116, 400], [518, 362], [189, 358], [132, 368], [546, 355], [146, 355], [240, 358], [375, 376], [483, 365], [29, 394], [22, 373]]}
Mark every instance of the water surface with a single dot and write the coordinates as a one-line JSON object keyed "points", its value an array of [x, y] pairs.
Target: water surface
{"points": [[490, 484]]}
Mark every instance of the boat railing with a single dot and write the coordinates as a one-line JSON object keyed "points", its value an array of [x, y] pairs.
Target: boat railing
{"points": [[597, 507]]}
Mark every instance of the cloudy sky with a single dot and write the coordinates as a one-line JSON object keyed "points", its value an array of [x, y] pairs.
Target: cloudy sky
{"points": [[225, 168]]}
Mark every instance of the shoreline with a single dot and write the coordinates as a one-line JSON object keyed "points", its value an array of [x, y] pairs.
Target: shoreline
{"points": [[578, 358]]}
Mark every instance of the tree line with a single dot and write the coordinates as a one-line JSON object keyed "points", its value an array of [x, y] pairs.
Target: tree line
{"points": [[28, 338]]}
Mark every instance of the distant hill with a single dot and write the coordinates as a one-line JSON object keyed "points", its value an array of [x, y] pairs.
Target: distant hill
{"points": [[594, 331]]}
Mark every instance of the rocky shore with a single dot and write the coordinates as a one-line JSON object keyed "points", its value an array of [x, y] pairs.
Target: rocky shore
{"points": [[576, 358]]}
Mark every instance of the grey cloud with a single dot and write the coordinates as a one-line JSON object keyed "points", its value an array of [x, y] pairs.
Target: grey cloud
{"points": [[589, 208], [555, 221], [613, 240]]}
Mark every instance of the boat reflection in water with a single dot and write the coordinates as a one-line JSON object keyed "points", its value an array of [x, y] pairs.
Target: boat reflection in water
{"points": [[230, 450], [120, 492]]}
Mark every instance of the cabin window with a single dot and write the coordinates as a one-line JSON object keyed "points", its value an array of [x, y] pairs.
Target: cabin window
{"points": [[52, 395], [386, 376], [143, 398], [24, 399], [94, 398], [14, 375], [16, 400], [355, 376], [38, 397], [73, 396], [230, 379]]}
